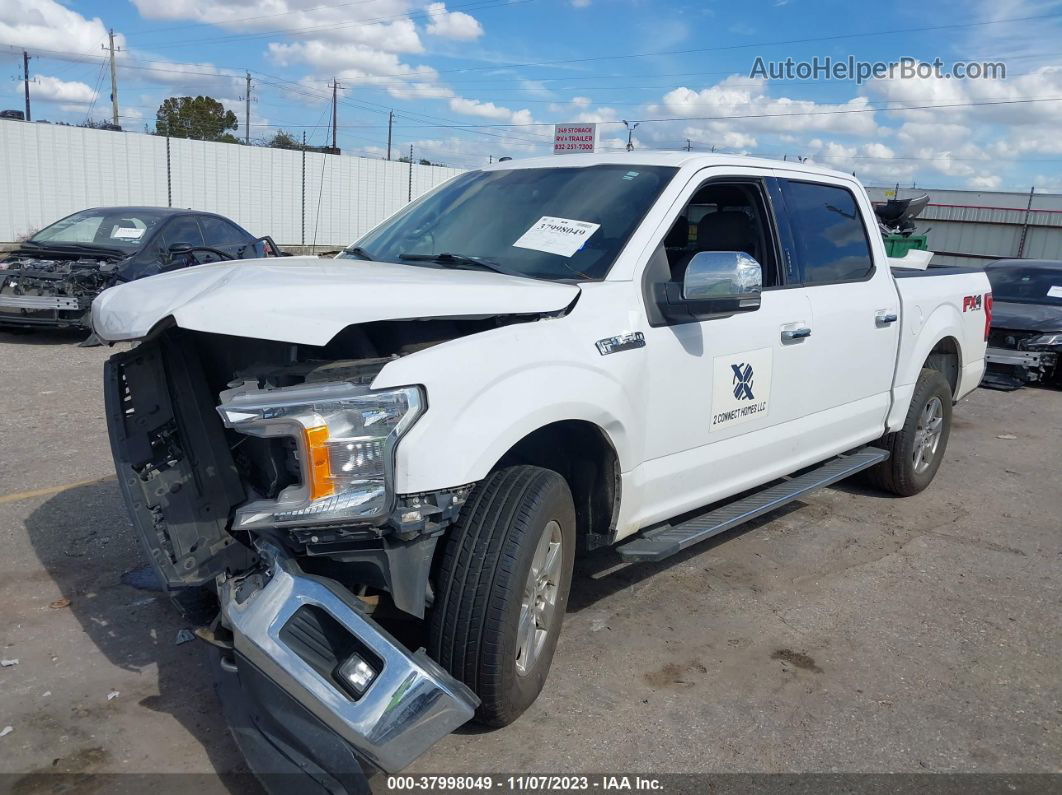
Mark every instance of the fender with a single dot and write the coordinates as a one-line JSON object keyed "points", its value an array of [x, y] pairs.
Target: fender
{"points": [[472, 420], [945, 321]]}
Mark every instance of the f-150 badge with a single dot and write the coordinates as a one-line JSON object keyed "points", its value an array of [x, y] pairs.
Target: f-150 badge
{"points": [[741, 387]]}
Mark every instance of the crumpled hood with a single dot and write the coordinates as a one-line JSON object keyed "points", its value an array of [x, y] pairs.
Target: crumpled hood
{"points": [[309, 300], [1026, 317]]}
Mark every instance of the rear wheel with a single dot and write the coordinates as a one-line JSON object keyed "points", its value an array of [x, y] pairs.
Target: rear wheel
{"points": [[502, 589], [918, 448]]}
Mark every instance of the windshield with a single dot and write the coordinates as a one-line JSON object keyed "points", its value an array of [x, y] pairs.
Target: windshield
{"points": [[1026, 285], [118, 228], [548, 223]]}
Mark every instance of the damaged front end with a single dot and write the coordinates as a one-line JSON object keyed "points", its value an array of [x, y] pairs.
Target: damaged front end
{"points": [[53, 288], [1016, 358], [260, 478]]}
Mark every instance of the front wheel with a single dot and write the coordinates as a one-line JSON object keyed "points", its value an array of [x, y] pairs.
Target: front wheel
{"points": [[502, 589], [918, 448]]}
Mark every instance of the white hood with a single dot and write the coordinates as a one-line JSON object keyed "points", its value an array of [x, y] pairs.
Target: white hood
{"points": [[309, 300]]}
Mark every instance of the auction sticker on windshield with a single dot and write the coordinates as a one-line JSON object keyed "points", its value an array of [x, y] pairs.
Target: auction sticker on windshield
{"points": [[1054, 291], [128, 233], [561, 236]]}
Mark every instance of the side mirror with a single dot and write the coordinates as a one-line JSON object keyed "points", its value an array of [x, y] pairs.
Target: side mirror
{"points": [[722, 274], [716, 283]]}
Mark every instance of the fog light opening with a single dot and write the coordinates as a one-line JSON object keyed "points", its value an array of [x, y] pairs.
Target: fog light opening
{"points": [[355, 674]]}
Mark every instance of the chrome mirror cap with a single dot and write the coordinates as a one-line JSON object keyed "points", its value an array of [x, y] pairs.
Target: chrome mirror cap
{"points": [[721, 274]]}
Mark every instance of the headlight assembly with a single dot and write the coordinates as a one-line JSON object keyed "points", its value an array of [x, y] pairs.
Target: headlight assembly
{"points": [[1044, 340], [345, 435]]}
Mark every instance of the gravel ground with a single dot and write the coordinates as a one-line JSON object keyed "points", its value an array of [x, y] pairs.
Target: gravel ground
{"points": [[850, 632]]}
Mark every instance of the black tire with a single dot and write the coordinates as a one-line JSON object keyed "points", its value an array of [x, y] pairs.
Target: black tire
{"points": [[480, 587], [899, 474]]}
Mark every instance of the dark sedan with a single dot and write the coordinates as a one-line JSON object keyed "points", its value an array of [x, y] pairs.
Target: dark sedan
{"points": [[1025, 342], [52, 278]]}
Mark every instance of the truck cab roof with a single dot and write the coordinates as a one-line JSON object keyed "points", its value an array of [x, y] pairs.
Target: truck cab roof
{"points": [[679, 159]]}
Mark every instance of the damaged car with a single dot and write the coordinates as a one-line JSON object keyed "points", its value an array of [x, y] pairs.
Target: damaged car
{"points": [[366, 479], [1025, 342], [51, 279]]}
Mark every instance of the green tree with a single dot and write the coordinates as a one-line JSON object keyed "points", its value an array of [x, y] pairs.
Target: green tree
{"points": [[202, 118], [284, 140]]}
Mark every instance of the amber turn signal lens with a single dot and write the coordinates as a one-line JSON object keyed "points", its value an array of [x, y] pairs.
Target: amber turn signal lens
{"points": [[320, 479]]}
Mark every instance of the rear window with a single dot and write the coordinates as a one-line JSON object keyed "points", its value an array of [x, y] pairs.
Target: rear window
{"points": [[1026, 285], [828, 230]]}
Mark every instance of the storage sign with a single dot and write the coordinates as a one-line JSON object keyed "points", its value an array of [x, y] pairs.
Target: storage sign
{"points": [[572, 138]]}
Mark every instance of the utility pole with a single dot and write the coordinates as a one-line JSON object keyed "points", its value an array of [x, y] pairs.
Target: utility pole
{"points": [[335, 87], [25, 74], [247, 111], [689, 145], [114, 78], [631, 127], [390, 120]]}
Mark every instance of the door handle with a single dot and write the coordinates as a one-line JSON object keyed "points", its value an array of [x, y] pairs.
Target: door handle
{"points": [[795, 334], [885, 318]]}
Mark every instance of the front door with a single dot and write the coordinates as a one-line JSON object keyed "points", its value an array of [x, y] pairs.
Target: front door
{"points": [[726, 394]]}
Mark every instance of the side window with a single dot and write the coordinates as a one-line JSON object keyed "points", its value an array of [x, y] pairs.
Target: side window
{"points": [[723, 216], [219, 232], [828, 232], [183, 229]]}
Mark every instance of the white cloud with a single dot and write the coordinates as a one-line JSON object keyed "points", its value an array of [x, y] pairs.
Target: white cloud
{"points": [[356, 63], [339, 23], [580, 3], [985, 182], [452, 24], [45, 24], [488, 110], [52, 89], [748, 101]]}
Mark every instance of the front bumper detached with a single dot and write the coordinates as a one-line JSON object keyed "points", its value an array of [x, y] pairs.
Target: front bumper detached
{"points": [[1010, 368], [297, 628]]}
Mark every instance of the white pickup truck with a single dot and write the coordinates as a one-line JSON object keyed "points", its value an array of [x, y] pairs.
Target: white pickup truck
{"points": [[535, 359]]}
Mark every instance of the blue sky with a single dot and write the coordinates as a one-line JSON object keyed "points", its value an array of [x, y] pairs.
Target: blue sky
{"points": [[473, 79]]}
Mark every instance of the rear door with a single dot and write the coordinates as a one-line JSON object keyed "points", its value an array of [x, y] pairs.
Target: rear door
{"points": [[854, 306], [225, 236]]}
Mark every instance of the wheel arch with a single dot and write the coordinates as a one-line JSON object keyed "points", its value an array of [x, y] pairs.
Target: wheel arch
{"points": [[583, 454]]}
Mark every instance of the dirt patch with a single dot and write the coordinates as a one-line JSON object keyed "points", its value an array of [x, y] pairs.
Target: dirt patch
{"points": [[797, 659], [675, 675], [73, 771]]}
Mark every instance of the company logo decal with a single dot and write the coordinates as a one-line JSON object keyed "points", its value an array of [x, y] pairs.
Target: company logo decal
{"points": [[741, 388], [743, 381]]}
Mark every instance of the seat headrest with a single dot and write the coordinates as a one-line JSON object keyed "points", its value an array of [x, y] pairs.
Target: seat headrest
{"points": [[727, 230]]}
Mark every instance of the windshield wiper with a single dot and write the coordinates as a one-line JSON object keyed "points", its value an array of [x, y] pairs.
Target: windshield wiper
{"points": [[448, 260], [358, 251]]}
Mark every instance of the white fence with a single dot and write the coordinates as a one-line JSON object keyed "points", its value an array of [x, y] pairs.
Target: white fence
{"points": [[48, 171]]}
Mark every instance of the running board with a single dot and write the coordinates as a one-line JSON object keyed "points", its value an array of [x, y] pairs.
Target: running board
{"points": [[664, 541]]}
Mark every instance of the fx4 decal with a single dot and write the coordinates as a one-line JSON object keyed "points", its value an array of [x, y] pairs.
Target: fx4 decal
{"points": [[972, 303]]}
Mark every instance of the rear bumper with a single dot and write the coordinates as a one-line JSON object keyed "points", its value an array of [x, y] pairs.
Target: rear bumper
{"points": [[411, 704]]}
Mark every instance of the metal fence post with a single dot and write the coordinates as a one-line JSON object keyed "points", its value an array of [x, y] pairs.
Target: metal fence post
{"points": [[1025, 223], [169, 179]]}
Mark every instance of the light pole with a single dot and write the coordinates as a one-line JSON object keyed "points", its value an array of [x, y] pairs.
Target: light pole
{"points": [[631, 127]]}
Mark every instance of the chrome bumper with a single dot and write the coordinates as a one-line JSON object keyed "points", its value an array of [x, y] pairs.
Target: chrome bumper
{"points": [[410, 705], [38, 302]]}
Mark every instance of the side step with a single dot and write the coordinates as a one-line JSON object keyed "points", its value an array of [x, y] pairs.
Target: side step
{"points": [[664, 541]]}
